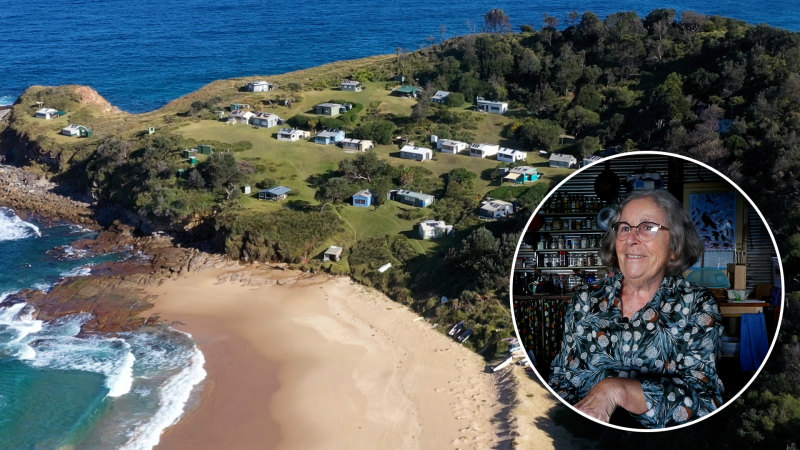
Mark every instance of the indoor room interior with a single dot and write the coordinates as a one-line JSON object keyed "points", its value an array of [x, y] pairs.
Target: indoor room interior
{"points": [[560, 251]]}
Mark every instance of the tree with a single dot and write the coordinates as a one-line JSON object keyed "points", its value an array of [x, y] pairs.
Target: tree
{"points": [[294, 88], [573, 17], [578, 119], [497, 21], [380, 187], [299, 121], [550, 21], [108, 158], [540, 133], [334, 190], [590, 33], [542, 101], [484, 257], [221, 171], [692, 21], [460, 182], [421, 109], [379, 131], [195, 179], [568, 68], [454, 100], [526, 62], [624, 44], [533, 195], [658, 24], [668, 102], [417, 178], [495, 56], [365, 166], [470, 85], [550, 28], [588, 145], [589, 97]]}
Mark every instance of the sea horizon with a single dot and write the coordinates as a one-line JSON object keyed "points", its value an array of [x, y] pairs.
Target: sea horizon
{"points": [[142, 58]]}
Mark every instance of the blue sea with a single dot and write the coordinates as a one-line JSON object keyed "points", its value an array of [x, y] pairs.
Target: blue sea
{"points": [[141, 54], [61, 389]]}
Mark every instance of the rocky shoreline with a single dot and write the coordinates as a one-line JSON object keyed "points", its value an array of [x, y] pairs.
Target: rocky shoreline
{"points": [[112, 293]]}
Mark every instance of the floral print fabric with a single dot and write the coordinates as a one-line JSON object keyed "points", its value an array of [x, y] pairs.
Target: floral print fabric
{"points": [[670, 346]]}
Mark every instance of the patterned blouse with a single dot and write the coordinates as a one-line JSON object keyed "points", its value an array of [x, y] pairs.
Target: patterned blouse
{"points": [[670, 346]]}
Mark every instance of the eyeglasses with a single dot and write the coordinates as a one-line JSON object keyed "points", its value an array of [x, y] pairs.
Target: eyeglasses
{"points": [[646, 230]]}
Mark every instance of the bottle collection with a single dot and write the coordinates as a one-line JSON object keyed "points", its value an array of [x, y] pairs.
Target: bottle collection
{"points": [[567, 242], [572, 203], [564, 251]]}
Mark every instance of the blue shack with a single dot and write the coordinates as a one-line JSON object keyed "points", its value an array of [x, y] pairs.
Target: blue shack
{"points": [[362, 198], [329, 137]]}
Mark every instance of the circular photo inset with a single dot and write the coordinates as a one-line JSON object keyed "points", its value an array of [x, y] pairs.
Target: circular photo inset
{"points": [[647, 291]]}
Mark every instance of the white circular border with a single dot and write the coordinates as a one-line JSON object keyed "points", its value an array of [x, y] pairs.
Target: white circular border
{"points": [[777, 328]]}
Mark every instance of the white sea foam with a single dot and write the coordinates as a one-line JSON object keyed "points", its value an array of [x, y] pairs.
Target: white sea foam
{"points": [[110, 357], [120, 381], [80, 271], [13, 228], [172, 395], [78, 229], [70, 252], [18, 323], [66, 326], [44, 287]]}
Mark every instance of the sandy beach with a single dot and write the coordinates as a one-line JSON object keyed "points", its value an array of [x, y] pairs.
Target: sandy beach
{"points": [[300, 360]]}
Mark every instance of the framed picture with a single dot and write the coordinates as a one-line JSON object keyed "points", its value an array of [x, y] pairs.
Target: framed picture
{"points": [[718, 213]]}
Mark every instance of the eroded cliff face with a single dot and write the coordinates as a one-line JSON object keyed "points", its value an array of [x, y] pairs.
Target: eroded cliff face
{"points": [[20, 149], [32, 194]]}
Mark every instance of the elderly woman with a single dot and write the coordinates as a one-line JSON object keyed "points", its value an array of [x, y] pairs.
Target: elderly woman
{"points": [[645, 339]]}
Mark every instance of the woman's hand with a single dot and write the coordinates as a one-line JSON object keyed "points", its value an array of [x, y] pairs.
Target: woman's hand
{"points": [[610, 393]]}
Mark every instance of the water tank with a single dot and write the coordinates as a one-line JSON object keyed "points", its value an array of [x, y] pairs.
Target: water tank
{"points": [[434, 139]]}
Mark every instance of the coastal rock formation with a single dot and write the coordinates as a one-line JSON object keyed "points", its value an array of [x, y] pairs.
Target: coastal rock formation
{"points": [[31, 194], [90, 97], [115, 303], [113, 292]]}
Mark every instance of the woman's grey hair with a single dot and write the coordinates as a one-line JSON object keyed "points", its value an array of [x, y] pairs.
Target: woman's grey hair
{"points": [[684, 241]]}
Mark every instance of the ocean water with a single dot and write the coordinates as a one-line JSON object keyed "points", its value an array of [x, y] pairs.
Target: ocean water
{"points": [[142, 54], [62, 389]]}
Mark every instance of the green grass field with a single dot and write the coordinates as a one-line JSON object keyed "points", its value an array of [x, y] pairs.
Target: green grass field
{"points": [[294, 164]]}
